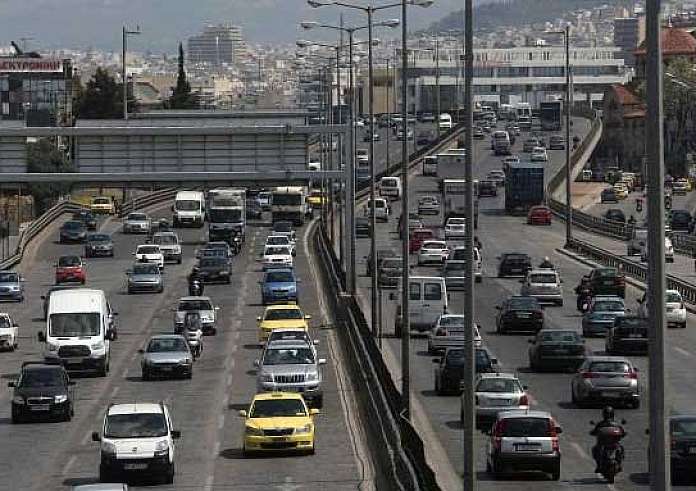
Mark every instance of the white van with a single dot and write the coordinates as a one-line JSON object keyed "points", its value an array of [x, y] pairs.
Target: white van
{"points": [[445, 122], [390, 187], [189, 209], [637, 241], [427, 301], [430, 165], [382, 209], [79, 329]]}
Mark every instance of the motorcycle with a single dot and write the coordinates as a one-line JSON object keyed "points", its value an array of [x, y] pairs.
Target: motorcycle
{"points": [[639, 205], [193, 333], [611, 451], [195, 288], [583, 302]]}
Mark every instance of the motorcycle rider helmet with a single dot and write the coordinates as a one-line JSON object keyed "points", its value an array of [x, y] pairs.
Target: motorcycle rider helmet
{"points": [[608, 413]]}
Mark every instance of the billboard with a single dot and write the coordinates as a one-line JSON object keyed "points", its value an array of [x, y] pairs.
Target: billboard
{"points": [[28, 65]]}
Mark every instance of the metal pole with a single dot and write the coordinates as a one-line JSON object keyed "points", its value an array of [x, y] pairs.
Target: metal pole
{"points": [[350, 182], [123, 73], [437, 85], [569, 207], [328, 197], [341, 156], [373, 218], [405, 317], [468, 405], [659, 447], [388, 113]]}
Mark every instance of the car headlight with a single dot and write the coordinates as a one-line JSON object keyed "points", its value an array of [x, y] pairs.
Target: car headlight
{"points": [[18, 400], [207, 318], [186, 361], [304, 429], [51, 347], [253, 431], [266, 377], [60, 398], [99, 345], [161, 448], [312, 377], [108, 448]]}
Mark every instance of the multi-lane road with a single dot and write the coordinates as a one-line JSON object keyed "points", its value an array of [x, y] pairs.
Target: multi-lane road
{"points": [[437, 417], [47, 456]]}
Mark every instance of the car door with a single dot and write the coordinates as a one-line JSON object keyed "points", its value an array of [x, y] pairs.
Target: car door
{"points": [[416, 301], [433, 301]]}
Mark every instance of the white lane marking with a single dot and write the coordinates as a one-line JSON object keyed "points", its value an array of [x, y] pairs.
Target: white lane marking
{"points": [[581, 452], [114, 392], [682, 351], [68, 466], [209, 483], [532, 400]]}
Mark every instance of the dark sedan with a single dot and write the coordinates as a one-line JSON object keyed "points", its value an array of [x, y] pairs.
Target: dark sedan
{"points": [[682, 432], [556, 349], [450, 369], [488, 188], [362, 227], [680, 221], [425, 138], [628, 335], [73, 231], [608, 196], [519, 313], [86, 217], [514, 264], [390, 271], [213, 269], [381, 254], [615, 215], [99, 245]]}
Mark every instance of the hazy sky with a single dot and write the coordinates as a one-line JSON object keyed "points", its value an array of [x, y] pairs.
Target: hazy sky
{"points": [[97, 23]]}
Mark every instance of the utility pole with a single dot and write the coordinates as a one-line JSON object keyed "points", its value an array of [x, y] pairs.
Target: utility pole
{"points": [[124, 78], [659, 445], [569, 207], [373, 193], [468, 403]]}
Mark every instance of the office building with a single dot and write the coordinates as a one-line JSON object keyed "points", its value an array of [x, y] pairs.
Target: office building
{"points": [[217, 45], [629, 32]]}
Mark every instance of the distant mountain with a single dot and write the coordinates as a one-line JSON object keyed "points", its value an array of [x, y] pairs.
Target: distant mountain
{"points": [[514, 13], [80, 24]]}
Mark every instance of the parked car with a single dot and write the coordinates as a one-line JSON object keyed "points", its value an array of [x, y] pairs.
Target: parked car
{"points": [[144, 277], [99, 244], [514, 264], [674, 306], [70, 268], [539, 215], [495, 393], [601, 313], [628, 335], [42, 391], [449, 369], [606, 380], [556, 349], [72, 231]]}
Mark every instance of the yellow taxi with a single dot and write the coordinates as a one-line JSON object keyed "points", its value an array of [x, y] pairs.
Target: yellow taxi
{"points": [[281, 316], [102, 205], [621, 190], [315, 198], [278, 421]]}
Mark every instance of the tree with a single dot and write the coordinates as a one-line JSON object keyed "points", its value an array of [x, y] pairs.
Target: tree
{"points": [[43, 156], [182, 97], [102, 98]]}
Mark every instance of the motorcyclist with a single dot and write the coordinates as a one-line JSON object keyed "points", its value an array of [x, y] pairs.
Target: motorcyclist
{"points": [[546, 264], [607, 422], [584, 293], [195, 278], [477, 244], [194, 332]]}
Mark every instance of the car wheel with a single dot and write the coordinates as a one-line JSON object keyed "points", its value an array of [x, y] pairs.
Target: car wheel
{"points": [[635, 404], [318, 402], [560, 303], [556, 473], [178, 260], [189, 375], [683, 325], [105, 476], [145, 375], [169, 474], [16, 417], [573, 397], [67, 415], [479, 279]]}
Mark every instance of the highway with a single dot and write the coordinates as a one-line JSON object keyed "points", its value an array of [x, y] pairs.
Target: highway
{"points": [[47, 456], [437, 417]]}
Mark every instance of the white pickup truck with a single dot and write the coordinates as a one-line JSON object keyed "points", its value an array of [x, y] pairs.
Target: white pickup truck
{"points": [[9, 335]]}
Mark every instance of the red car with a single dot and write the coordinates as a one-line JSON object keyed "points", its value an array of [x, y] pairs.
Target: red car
{"points": [[417, 238], [539, 215], [70, 268]]}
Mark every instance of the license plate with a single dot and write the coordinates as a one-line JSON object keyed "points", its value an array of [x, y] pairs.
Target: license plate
{"points": [[166, 369], [133, 467], [635, 335], [607, 283], [692, 450], [280, 439], [523, 316], [610, 394], [526, 447], [40, 407], [560, 352]]}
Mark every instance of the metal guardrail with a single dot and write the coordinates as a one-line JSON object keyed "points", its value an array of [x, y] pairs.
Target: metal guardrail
{"points": [[154, 198]]}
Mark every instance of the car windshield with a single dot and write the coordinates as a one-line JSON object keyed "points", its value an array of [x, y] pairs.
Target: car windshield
{"points": [[542, 278], [213, 262], [191, 305], [72, 225], [72, 324], [390, 263], [274, 408], [101, 201], [137, 216], [560, 337], [610, 367], [187, 205], [276, 250], [282, 227], [288, 356], [139, 425], [511, 258], [99, 238], [167, 345], [280, 277], [9, 278], [277, 240], [525, 427], [683, 427], [608, 306], [434, 245], [282, 335], [631, 322], [605, 273], [523, 304], [498, 385], [42, 378], [281, 314], [148, 250], [68, 261], [145, 269], [452, 320], [165, 239], [456, 221], [455, 357], [673, 297], [4, 322]]}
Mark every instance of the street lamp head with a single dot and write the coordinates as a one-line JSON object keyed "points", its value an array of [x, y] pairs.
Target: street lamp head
{"points": [[375, 42], [390, 23], [303, 43], [422, 3], [307, 25]]}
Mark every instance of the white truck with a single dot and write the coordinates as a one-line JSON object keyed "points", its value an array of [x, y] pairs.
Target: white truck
{"points": [[189, 209], [289, 203], [226, 213], [454, 199]]}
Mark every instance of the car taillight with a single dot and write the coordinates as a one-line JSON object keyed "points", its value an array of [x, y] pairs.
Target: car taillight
{"points": [[673, 443], [441, 332], [552, 430], [589, 375], [498, 432], [554, 444], [524, 400], [631, 375], [538, 314]]}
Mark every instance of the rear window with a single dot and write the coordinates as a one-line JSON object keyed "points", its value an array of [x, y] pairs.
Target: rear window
{"points": [[608, 306], [525, 427], [542, 278], [610, 367], [673, 297], [605, 273], [561, 337], [432, 291], [498, 385], [683, 427], [524, 303]]}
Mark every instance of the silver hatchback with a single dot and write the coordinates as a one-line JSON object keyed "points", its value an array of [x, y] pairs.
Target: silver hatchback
{"points": [[606, 379], [496, 392], [544, 285]]}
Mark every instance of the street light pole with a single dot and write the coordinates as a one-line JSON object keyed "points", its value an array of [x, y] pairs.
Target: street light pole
{"points": [[569, 207], [389, 82], [350, 187], [659, 446], [373, 218], [437, 84], [124, 52]]}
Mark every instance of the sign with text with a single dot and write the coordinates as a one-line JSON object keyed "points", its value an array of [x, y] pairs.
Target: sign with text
{"points": [[36, 65]]}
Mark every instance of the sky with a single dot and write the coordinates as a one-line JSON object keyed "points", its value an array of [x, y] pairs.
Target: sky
{"points": [[79, 24]]}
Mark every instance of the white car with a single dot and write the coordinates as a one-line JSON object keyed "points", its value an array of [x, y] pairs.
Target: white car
{"points": [[149, 253], [314, 166], [669, 251], [169, 245], [137, 223], [382, 209], [455, 228], [433, 251], [448, 332], [137, 437], [281, 240], [674, 305], [277, 256], [544, 285], [9, 334], [539, 155]]}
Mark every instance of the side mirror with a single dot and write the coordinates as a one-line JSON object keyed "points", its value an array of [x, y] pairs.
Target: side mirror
{"points": [[96, 437], [43, 297], [11, 384], [498, 307], [258, 318], [636, 369], [316, 342], [530, 341], [494, 361], [559, 430], [592, 423], [42, 337], [313, 412], [217, 308], [322, 361], [242, 413], [392, 296], [176, 434], [110, 335], [436, 360], [141, 351], [623, 421], [647, 431], [257, 363], [307, 317]]}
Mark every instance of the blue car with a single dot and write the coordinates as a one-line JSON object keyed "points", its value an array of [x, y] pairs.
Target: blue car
{"points": [[604, 309], [11, 286], [279, 286]]}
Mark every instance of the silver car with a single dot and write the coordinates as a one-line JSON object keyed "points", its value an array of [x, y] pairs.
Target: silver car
{"points": [[11, 286], [144, 277], [496, 392], [167, 355], [137, 223], [544, 285], [606, 379], [205, 308], [428, 205], [291, 367], [601, 314], [448, 332], [169, 245]]}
